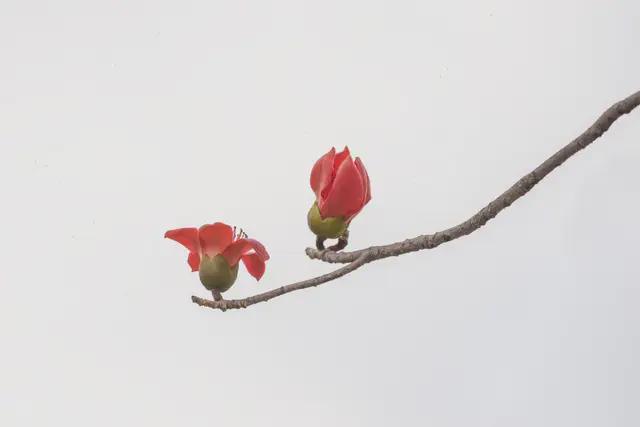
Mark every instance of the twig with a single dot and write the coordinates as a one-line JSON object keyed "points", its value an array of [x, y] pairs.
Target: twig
{"points": [[342, 242], [226, 304], [519, 189], [357, 259]]}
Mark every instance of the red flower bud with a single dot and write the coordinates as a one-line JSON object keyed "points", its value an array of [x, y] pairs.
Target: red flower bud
{"points": [[341, 185], [215, 250]]}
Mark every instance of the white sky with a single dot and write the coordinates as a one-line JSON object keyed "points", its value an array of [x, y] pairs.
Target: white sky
{"points": [[120, 120]]}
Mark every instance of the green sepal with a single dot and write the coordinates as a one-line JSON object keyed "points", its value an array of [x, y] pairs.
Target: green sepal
{"points": [[329, 228], [217, 274]]}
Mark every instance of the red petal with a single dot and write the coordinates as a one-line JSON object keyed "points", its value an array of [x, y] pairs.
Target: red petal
{"points": [[259, 249], [242, 247], [215, 238], [346, 194], [322, 172], [255, 265], [194, 261], [366, 186], [365, 178], [188, 237], [341, 157]]}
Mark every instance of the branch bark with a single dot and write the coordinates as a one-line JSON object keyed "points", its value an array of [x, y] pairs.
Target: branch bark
{"points": [[357, 259]]}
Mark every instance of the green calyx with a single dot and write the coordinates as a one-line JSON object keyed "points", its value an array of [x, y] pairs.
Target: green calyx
{"points": [[329, 228], [217, 274]]}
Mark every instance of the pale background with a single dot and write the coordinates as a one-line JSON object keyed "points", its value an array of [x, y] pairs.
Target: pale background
{"points": [[122, 119]]}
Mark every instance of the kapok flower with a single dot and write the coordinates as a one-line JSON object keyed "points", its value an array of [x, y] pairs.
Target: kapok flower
{"points": [[215, 250], [342, 188]]}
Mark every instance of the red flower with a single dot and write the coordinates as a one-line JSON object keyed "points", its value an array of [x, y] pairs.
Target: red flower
{"points": [[219, 246], [341, 185]]}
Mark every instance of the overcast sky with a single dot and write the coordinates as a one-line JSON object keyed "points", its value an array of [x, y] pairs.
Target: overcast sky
{"points": [[120, 120]]}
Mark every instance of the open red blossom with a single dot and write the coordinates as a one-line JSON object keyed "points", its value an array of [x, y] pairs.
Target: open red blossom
{"points": [[221, 239], [341, 185]]}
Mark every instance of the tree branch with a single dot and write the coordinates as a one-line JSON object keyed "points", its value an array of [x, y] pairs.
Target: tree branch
{"points": [[517, 190], [266, 296], [357, 259]]}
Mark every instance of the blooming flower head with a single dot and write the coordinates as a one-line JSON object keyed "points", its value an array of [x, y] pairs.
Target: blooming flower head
{"points": [[342, 188], [215, 250]]}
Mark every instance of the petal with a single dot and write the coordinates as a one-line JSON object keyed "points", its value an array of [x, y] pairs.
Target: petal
{"points": [[365, 178], [188, 237], [366, 187], [259, 249], [194, 261], [341, 157], [242, 247], [215, 238], [255, 265], [322, 172], [346, 194]]}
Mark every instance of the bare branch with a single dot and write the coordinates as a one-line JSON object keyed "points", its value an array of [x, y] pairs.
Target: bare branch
{"points": [[519, 189], [266, 296], [357, 259]]}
